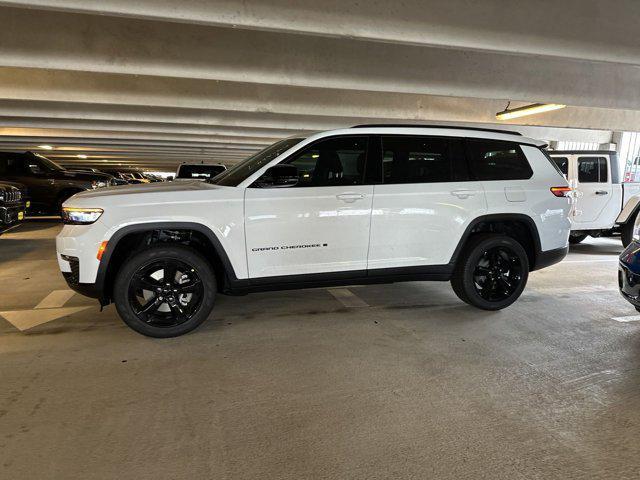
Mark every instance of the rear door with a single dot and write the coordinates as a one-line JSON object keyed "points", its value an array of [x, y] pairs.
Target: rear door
{"points": [[424, 202], [322, 224]]}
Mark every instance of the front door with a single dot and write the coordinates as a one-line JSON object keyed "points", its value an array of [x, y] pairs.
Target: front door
{"points": [[594, 191], [319, 225]]}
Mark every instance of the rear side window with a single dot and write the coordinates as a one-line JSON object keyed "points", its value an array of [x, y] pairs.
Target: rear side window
{"points": [[592, 170], [562, 163], [409, 159], [497, 160]]}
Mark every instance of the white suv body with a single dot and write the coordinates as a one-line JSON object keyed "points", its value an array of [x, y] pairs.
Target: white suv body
{"points": [[358, 205]]}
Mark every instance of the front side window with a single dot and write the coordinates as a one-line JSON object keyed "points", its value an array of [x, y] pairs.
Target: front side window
{"points": [[497, 160], [592, 170], [331, 162], [408, 159]]}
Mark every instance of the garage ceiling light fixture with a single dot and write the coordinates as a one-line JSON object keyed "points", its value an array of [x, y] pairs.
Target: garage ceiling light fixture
{"points": [[532, 109], [81, 156], [45, 147]]}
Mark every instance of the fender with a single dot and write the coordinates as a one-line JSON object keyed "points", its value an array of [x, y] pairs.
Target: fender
{"points": [[629, 211], [112, 243], [501, 217]]}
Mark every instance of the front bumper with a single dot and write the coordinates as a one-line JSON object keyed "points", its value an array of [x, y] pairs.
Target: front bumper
{"points": [[629, 273], [11, 215]]}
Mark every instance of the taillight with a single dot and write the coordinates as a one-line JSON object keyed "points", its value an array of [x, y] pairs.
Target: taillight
{"points": [[561, 191]]}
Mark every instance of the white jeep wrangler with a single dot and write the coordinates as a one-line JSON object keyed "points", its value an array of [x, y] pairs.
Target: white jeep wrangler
{"points": [[369, 204], [604, 204]]}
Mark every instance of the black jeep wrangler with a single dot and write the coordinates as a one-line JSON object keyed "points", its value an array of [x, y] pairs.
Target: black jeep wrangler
{"points": [[49, 184]]}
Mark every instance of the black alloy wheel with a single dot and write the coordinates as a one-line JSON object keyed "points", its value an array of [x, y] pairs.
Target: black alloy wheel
{"points": [[165, 293], [497, 274], [165, 290], [491, 272]]}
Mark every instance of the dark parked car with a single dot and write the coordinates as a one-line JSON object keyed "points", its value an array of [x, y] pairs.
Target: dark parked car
{"points": [[12, 205], [125, 175], [49, 184]]}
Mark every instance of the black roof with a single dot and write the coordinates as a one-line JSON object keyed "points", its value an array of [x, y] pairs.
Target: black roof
{"points": [[454, 127]]}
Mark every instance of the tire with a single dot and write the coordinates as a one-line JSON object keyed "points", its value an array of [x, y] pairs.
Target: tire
{"points": [[637, 309], [511, 268], [576, 239], [150, 306], [626, 232]]}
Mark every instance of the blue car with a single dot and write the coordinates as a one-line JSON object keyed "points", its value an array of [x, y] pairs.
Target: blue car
{"points": [[629, 270]]}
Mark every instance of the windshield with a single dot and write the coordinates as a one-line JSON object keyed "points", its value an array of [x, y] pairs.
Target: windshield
{"points": [[199, 171], [240, 171], [47, 164]]}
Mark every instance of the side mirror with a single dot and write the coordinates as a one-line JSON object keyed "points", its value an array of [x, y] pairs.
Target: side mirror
{"points": [[278, 176]]}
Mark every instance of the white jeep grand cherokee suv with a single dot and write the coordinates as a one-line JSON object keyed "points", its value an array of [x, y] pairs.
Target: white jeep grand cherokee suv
{"points": [[369, 204]]}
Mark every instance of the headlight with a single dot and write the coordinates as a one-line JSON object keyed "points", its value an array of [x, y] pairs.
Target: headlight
{"points": [[98, 184], [80, 216], [636, 228], [1, 196]]}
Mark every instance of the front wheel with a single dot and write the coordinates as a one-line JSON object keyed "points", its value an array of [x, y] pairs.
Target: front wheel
{"points": [[492, 272], [165, 291]]}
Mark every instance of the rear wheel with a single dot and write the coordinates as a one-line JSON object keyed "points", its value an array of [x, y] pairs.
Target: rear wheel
{"points": [[577, 238], [492, 272], [165, 291]]}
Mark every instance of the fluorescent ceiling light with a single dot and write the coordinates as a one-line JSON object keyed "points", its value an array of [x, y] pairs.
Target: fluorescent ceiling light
{"points": [[45, 147], [528, 110], [81, 156]]}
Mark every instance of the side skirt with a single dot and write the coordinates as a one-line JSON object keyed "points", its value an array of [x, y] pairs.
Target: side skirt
{"points": [[440, 273]]}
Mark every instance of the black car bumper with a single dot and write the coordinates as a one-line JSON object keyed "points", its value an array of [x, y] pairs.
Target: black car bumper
{"points": [[629, 273], [550, 257], [11, 215]]}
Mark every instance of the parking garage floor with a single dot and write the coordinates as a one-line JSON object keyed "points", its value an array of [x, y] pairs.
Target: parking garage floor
{"points": [[384, 381]]}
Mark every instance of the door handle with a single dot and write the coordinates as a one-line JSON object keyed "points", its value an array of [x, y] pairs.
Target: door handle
{"points": [[602, 192], [463, 193], [350, 197]]}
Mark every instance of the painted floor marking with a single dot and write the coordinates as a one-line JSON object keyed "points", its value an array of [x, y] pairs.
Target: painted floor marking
{"points": [[56, 299], [603, 260], [630, 318], [347, 298], [26, 319]]}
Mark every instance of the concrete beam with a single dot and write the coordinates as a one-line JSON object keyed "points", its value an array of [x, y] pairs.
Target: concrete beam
{"points": [[583, 29], [81, 42]]}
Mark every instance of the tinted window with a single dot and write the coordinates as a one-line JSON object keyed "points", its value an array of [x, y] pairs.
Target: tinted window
{"points": [[497, 160], [407, 159], [335, 161], [592, 170], [10, 165], [562, 164]]}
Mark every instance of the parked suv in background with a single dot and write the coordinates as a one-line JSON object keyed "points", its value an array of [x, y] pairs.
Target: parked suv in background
{"points": [[49, 184], [369, 204], [12, 205]]}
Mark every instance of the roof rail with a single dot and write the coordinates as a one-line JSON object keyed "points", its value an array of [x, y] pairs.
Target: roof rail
{"points": [[417, 125]]}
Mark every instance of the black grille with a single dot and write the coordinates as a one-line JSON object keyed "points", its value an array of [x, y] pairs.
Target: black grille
{"points": [[12, 195]]}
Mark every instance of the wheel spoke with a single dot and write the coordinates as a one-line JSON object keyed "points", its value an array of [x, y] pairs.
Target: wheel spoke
{"points": [[189, 287], [169, 272], [147, 283], [177, 311], [151, 306]]}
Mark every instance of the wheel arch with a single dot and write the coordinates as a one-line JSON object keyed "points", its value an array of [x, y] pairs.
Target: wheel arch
{"points": [[519, 226], [133, 236]]}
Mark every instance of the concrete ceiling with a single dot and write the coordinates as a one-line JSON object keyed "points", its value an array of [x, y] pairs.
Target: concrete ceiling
{"points": [[156, 82]]}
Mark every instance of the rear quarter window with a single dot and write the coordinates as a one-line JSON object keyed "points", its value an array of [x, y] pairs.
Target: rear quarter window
{"points": [[497, 160]]}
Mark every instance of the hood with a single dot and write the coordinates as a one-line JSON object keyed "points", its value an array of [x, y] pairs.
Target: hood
{"points": [[147, 188], [19, 186]]}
